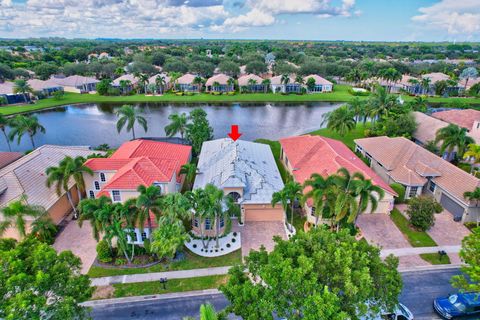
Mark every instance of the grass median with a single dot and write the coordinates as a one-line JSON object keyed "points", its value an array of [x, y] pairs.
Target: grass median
{"points": [[415, 237]]}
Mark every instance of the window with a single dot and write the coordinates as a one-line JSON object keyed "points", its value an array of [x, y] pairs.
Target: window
{"points": [[413, 192], [159, 186], [97, 185], [195, 222], [116, 196], [313, 211], [208, 224], [144, 236], [222, 222], [235, 196], [102, 177], [91, 194], [134, 237], [432, 186]]}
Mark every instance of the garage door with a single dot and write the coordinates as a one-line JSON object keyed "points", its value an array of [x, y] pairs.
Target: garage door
{"points": [[263, 215], [452, 206]]}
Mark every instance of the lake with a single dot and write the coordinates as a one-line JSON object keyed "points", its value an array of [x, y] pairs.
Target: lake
{"points": [[95, 124]]}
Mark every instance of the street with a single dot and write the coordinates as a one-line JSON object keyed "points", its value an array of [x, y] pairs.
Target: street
{"points": [[420, 288]]}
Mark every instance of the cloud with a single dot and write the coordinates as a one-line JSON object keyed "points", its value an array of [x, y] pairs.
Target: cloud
{"points": [[456, 17]]}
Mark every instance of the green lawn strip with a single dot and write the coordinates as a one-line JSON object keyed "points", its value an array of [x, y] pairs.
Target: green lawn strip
{"points": [[173, 285], [434, 258], [192, 261], [416, 238]]}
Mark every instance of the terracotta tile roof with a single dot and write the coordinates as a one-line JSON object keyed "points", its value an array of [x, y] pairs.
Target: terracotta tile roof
{"points": [[243, 80], [315, 154], [186, 79], [8, 157], [462, 118], [409, 163], [318, 79], [220, 78], [427, 127], [6, 87]]}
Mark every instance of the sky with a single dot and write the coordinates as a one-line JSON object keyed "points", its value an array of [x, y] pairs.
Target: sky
{"points": [[368, 20]]}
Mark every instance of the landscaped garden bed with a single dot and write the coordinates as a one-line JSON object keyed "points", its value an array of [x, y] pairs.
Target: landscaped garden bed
{"points": [[208, 248]]}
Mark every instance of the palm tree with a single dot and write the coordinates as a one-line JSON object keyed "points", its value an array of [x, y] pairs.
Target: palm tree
{"points": [[4, 121], [473, 196], [124, 84], [97, 212], [425, 84], [116, 230], [190, 171], [160, 82], [215, 86], [207, 312], [22, 86], [178, 124], [16, 212], [451, 137], [299, 80], [251, 84], [294, 192], [60, 176], [341, 120], [76, 169], [25, 124], [149, 201], [213, 207], [143, 81], [366, 193], [197, 203], [473, 151], [127, 115], [44, 229], [319, 189], [266, 84], [358, 107], [199, 82], [285, 79], [381, 103], [174, 77], [419, 104], [174, 206], [231, 84]]}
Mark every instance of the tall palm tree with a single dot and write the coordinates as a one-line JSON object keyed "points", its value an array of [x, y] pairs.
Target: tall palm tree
{"points": [[91, 210], [25, 124], [178, 124], [160, 82], [127, 115], [299, 80], [285, 79], [451, 137], [231, 84], [116, 230], [215, 86], [197, 203], [22, 86], [174, 77], [366, 193], [44, 229], [251, 84], [358, 107], [213, 209], [124, 84], [294, 192], [341, 120], [473, 151], [319, 190], [76, 169], [473, 196], [425, 84], [266, 84], [149, 201], [15, 215], [381, 102], [60, 177], [4, 121], [199, 82], [174, 206], [190, 171], [143, 81]]}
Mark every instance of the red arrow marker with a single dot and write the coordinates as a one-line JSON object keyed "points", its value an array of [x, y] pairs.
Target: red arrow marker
{"points": [[234, 134]]}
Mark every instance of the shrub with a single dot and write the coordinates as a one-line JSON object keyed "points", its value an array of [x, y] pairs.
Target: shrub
{"points": [[400, 190], [420, 211], [120, 261], [58, 95], [103, 252], [146, 246]]}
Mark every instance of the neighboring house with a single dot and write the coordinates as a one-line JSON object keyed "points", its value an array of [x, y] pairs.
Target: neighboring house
{"points": [[244, 83], [426, 131], [136, 163], [185, 83], [104, 55], [219, 83], [126, 77], [291, 87], [6, 91], [464, 118], [421, 172], [321, 84], [303, 156], [77, 84], [26, 177], [436, 77], [8, 157], [47, 87], [470, 83], [247, 172], [166, 78]]}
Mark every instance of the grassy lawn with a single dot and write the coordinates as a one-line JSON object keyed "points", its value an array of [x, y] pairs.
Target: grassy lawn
{"points": [[416, 238], [298, 220], [340, 94], [173, 285], [357, 133], [434, 258], [192, 261]]}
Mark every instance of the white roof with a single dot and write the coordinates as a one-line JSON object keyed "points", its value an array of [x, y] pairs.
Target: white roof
{"points": [[249, 165], [127, 77], [27, 175]]}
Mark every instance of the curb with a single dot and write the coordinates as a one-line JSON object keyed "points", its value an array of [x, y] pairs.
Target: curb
{"points": [[430, 268], [166, 296]]}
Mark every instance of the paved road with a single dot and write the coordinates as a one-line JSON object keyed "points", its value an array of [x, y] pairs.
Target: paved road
{"points": [[420, 288]]}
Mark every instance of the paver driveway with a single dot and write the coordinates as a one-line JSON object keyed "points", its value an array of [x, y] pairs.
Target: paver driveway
{"points": [[257, 233], [78, 240], [447, 232], [380, 230]]}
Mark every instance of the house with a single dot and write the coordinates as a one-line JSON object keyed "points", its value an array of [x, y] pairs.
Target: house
{"points": [[161, 88], [7, 92], [466, 85], [305, 155], [219, 83], [251, 83], [435, 77], [77, 84], [291, 86], [8, 157], [129, 79], [421, 172], [464, 118], [245, 171], [321, 84], [187, 83], [136, 163], [47, 88], [25, 177]]}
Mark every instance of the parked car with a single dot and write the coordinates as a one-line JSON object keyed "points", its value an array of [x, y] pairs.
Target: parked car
{"points": [[458, 305], [400, 313]]}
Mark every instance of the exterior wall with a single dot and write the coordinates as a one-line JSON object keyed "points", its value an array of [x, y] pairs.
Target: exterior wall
{"points": [[71, 89], [62, 207], [210, 232], [262, 212], [139, 239]]}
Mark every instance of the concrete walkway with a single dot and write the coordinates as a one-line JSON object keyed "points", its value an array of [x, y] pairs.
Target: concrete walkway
{"points": [[419, 250], [155, 276]]}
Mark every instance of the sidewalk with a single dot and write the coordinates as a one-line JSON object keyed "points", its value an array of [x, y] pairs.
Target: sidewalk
{"points": [[147, 277], [419, 250]]}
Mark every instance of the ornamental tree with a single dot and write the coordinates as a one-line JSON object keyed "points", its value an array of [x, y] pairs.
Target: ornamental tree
{"points": [[314, 275], [421, 212], [469, 280], [38, 283]]}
